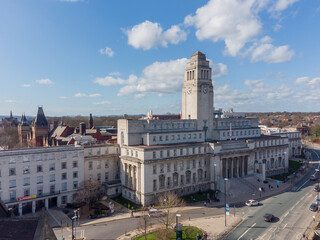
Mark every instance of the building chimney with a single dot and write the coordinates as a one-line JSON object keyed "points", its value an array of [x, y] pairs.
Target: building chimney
{"points": [[82, 128]]}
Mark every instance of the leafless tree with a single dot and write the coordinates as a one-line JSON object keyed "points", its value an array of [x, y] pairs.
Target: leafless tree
{"points": [[170, 204], [90, 192], [144, 222]]}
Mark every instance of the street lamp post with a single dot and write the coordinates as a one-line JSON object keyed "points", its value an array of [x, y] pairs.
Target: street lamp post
{"points": [[225, 201], [178, 231], [317, 170], [75, 217], [214, 171]]}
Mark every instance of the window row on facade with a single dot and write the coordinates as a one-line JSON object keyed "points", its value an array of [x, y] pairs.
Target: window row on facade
{"points": [[268, 153], [178, 152], [39, 168], [178, 137], [268, 143], [240, 133], [180, 180], [98, 164], [174, 125], [180, 165]]}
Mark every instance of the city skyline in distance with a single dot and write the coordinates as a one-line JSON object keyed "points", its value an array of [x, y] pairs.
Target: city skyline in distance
{"points": [[81, 57]]}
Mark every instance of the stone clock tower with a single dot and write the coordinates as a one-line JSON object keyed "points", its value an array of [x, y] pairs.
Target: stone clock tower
{"points": [[197, 93]]}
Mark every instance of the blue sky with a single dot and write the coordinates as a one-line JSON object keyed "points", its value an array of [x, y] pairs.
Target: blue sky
{"points": [[113, 57]]}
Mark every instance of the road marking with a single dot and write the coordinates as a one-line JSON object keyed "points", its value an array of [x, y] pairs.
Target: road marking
{"points": [[285, 226], [302, 185], [246, 231]]}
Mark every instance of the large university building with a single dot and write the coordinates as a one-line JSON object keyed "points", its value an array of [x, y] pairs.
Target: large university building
{"points": [[199, 150]]}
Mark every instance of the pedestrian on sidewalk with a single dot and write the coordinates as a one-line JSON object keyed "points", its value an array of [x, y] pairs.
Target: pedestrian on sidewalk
{"points": [[205, 204]]}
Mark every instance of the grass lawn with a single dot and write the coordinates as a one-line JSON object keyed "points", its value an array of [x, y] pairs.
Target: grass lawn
{"points": [[196, 197], [126, 203], [293, 167], [188, 233]]}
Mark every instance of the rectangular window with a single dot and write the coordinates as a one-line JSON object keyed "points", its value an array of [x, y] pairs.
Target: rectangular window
{"points": [[39, 168], [26, 170], [168, 167], [64, 186], [39, 191], [106, 163], [99, 177], [175, 166], [181, 165], [181, 152], [160, 138], [99, 164], [26, 181], [106, 177], [12, 171], [136, 153], [90, 152], [52, 177], [154, 138], [167, 138], [63, 165], [39, 158], [168, 153], [12, 195], [75, 164], [51, 156], [188, 164], [154, 155], [63, 155], [154, 185], [174, 152], [26, 192], [194, 163], [75, 154], [154, 169], [12, 183], [40, 179], [90, 165], [75, 184], [169, 182], [161, 154], [63, 176], [75, 174], [52, 189], [52, 167], [161, 168]]}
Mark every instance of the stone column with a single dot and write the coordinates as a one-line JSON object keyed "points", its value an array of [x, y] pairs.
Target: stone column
{"points": [[229, 168], [20, 209], [134, 177], [126, 174], [46, 203], [33, 206], [224, 171], [246, 165], [130, 175], [235, 161]]}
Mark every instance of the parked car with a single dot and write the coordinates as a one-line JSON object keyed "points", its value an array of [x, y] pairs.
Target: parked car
{"points": [[252, 202], [316, 188], [314, 207], [153, 212], [268, 217], [318, 201]]}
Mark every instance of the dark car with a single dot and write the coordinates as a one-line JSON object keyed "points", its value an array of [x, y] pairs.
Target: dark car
{"points": [[314, 207], [268, 217], [316, 188]]}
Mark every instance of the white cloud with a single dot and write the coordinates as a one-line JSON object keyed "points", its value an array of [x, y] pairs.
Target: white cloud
{"points": [[107, 51], [232, 21], [102, 103], [83, 95], [63, 97], [109, 81], [148, 35], [26, 85], [277, 27], [10, 101], [44, 81], [115, 74], [307, 80], [159, 77], [267, 52], [281, 5], [219, 70]]}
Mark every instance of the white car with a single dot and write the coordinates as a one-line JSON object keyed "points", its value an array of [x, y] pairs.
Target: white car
{"points": [[252, 203], [155, 213]]}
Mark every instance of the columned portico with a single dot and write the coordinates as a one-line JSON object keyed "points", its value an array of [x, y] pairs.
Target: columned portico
{"points": [[233, 167]]}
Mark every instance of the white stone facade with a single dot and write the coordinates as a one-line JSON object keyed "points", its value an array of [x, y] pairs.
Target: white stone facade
{"points": [[42, 176], [198, 151], [101, 163]]}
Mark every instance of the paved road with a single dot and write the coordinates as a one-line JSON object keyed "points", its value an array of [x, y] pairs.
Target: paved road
{"points": [[252, 227], [290, 208]]}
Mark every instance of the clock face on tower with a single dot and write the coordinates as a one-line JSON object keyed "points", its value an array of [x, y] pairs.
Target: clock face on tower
{"points": [[205, 89], [189, 90]]}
